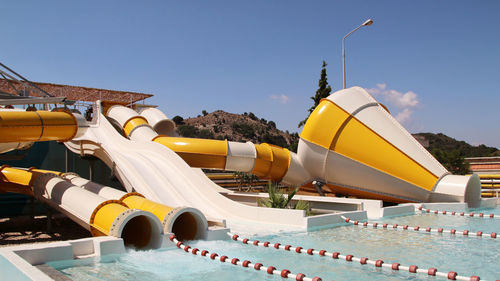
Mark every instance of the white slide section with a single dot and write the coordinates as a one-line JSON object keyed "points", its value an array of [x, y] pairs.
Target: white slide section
{"points": [[161, 175]]}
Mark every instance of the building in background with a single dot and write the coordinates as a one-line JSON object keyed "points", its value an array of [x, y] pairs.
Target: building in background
{"points": [[484, 165]]}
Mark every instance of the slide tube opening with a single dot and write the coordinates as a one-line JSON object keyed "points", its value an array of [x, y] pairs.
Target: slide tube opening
{"points": [[186, 223], [140, 230]]}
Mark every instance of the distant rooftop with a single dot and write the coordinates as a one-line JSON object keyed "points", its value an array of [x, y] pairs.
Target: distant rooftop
{"points": [[484, 164], [76, 93]]}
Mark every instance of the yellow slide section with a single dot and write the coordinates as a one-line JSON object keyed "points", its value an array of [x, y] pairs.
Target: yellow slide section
{"points": [[331, 127], [100, 216], [24, 126], [103, 216], [179, 221], [198, 153], [272, 162], [132, 200]]}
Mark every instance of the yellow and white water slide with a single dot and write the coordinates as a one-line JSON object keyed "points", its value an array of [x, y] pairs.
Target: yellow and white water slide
{"points": [[97, 214], [100, 209], [163, 176], [353, 144], [350, 142]]}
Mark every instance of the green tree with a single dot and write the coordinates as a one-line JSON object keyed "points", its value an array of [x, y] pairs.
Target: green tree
{"points": [[205, 134], [178, 120], [188, 131], [322, 92], [452, 160]]}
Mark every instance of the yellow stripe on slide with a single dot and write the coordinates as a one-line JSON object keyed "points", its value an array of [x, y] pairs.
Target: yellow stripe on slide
{"points": [[331, 127], [272, 161], [132, 123]]}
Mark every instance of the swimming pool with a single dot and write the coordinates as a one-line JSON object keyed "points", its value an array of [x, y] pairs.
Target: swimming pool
{"points": [[467, 255]]}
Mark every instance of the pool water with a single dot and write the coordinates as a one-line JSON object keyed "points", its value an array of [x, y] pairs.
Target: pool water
{"points": [[466, 255]]}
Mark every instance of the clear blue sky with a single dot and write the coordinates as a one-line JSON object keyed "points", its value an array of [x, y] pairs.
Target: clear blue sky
{"points": [[435, 64]]}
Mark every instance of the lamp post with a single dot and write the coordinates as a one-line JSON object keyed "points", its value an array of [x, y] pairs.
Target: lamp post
{"points": [[366, 23]]}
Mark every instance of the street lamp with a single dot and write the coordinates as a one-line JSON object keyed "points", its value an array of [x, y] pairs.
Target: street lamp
{"points": [[366, 23]]}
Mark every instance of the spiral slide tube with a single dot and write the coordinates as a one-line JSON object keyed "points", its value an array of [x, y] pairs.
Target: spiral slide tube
{"points": [[17, 128], [263, 160], [100, 216], [185, 222]]}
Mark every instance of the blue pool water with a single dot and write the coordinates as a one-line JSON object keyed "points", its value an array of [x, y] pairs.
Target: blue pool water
{"points": [[466, 255]]}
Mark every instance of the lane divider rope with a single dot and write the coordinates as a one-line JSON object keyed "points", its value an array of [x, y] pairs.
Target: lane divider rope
{"points": [[459, 214], [452, 275], [285, 273], [465, 233]]}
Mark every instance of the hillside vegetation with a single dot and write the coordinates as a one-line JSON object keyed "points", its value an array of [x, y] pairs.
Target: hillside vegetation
{"points": [[235, 127], [443, 142], [451, 152]]}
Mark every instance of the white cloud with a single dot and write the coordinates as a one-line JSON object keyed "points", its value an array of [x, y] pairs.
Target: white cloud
{"points": [[404, 115], [395, 98], [281, 98], [406, 102]]}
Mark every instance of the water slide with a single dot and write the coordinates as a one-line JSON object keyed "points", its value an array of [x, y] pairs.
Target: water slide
{"points": [[101, 210], [161, 175], [19, 128], [350, 143], [353, 144], [97, 214]]}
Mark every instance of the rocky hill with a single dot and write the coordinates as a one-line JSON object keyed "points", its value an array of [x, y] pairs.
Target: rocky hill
{"points": [[451, 152], [442, 142], [235, 127]]}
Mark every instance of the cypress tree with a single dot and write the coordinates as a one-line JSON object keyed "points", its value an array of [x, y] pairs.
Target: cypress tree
{"points": [[322, 92]]}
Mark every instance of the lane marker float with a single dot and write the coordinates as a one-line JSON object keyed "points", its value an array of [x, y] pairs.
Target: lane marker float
{"points": [[285, 273], [465, 233], [452, 275], [459, 214]]}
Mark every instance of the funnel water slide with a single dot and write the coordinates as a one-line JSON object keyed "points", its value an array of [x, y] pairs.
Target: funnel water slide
{"points": [[353, 144], [100, 216]]}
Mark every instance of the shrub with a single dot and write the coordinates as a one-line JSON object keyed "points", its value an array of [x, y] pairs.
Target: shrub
{"points": [[252, 116], [277, 199], [187, 131], [178, 120], [205, 134], [278, 140], [243, 128]]}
